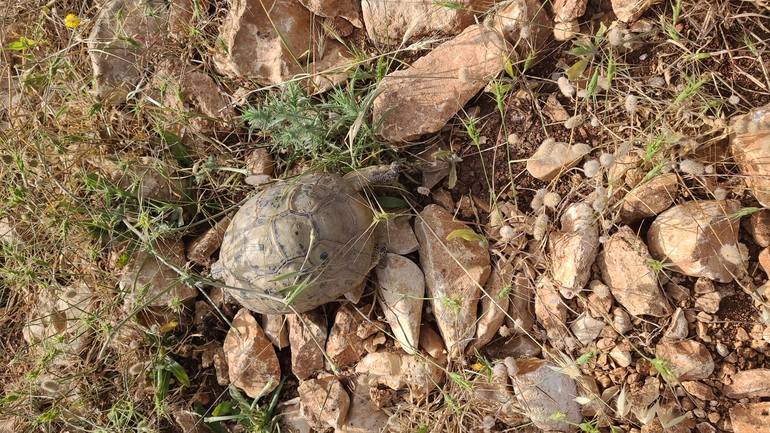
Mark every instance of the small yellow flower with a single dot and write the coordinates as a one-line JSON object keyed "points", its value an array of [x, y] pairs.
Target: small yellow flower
{"points": [[71, 21], [477, 366]]}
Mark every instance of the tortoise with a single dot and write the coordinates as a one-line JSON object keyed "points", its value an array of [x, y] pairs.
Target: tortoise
{"points": [[303, 242]]}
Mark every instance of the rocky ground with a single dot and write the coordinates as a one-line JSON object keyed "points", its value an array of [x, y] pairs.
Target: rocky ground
{"points": [[578, 240]]}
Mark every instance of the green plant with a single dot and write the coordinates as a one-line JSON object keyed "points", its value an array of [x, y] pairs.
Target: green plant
{"points": [[247, 413]]}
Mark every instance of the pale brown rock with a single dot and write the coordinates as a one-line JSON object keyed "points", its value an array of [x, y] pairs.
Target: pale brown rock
{"points": [[764, 260], [183, 89], [397, 235], [750, 417], [492, 307], [677, 329], [550, 311], [363, 415], [348, 9], [572, 250], [260, 162], [688, 360], [389, 22], [749, 384], [553, 158], [324, 401], [494, 395], [291, 418], [276, 329], [432, 344], [421, 375], [344, 346], [708, 302], [149, 281], [201, 249], [629, 10], [599, 300], [422, 98], [455, 270], [586, 329], [621, 355], [750, 146], [565, 31], [624, 263], [146, 178], [524, 24], [383, 368], [123, 32], [542, 390], [699, 390], [251, 359], [188, 421], [402, 290], [568, 10], [520, 318], [759, 227], [646, 394], [649, 198], [690, 237], [307, 338]]}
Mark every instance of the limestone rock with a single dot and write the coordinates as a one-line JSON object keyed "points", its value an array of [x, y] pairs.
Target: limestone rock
{"points": [[542, 390], [402, 290], [699, 390], [251, 359], [291, 418], [421, 375], [263, 46], [146, 178], [494, 395], [688, 359], [553, 158], [759, 227], [572, 250], [624, 263], [750, 146], [397, 235], [363, 415], [422, 98], [524, 24], [276, 329], [344, 345], [432, 344], [455, 269], [691, 236], [749, 384], [520, 318], [383, 368], [750, 417], [566, 30], [629, 10], [123, 32], [388, 22], [764, 260], [586, 329], [347, 9], [649, 198], [550, 311], [492, 308], [324, 401], [568, 10], [677, 329], [149, 281], [307, 338], [201, 249]]}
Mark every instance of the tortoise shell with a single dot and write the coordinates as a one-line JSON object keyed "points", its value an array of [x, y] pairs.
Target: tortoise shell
{"points": [[312, 234]]}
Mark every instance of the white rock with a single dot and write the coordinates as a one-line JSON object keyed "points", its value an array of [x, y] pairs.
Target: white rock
{"points": [[553, 158], [625, 267], [572, 250], [690, 237], [586, 329], [649, 198], [629, 10], [397, 235], [251, 359], [422, 375], [383, 368], [455, 270], [402, 289], [566, 30]]}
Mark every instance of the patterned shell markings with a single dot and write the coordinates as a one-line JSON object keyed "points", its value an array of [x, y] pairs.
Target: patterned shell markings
{"points": [[271, 236]]}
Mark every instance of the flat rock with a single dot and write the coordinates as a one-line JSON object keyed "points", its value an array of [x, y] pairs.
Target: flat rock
{"points": [[586, 329], [455, 270], [554, 157], [391, 22], [649, 198], [750, 146], [422, 375], [691, 236], [201, 248], [764, 260], [629, 10], [344, 346], [363, 415], [520, 318], [699, 390], [149, 282], [146, 178], [568, 10], [678, 328], [759, 227], [750, 417], [542, 390], [625, 267], [347, 9], [383, 368], [432, 343], [124, 31], [324, 401], [550, 311], [402, 290], [493, 394], [524, 24], [423, 97], [688, 359], [276, 329], [397, 235], [263, 46], [493, 307], [252, 363], [749, 384], [307, 338], [572, 250]]}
